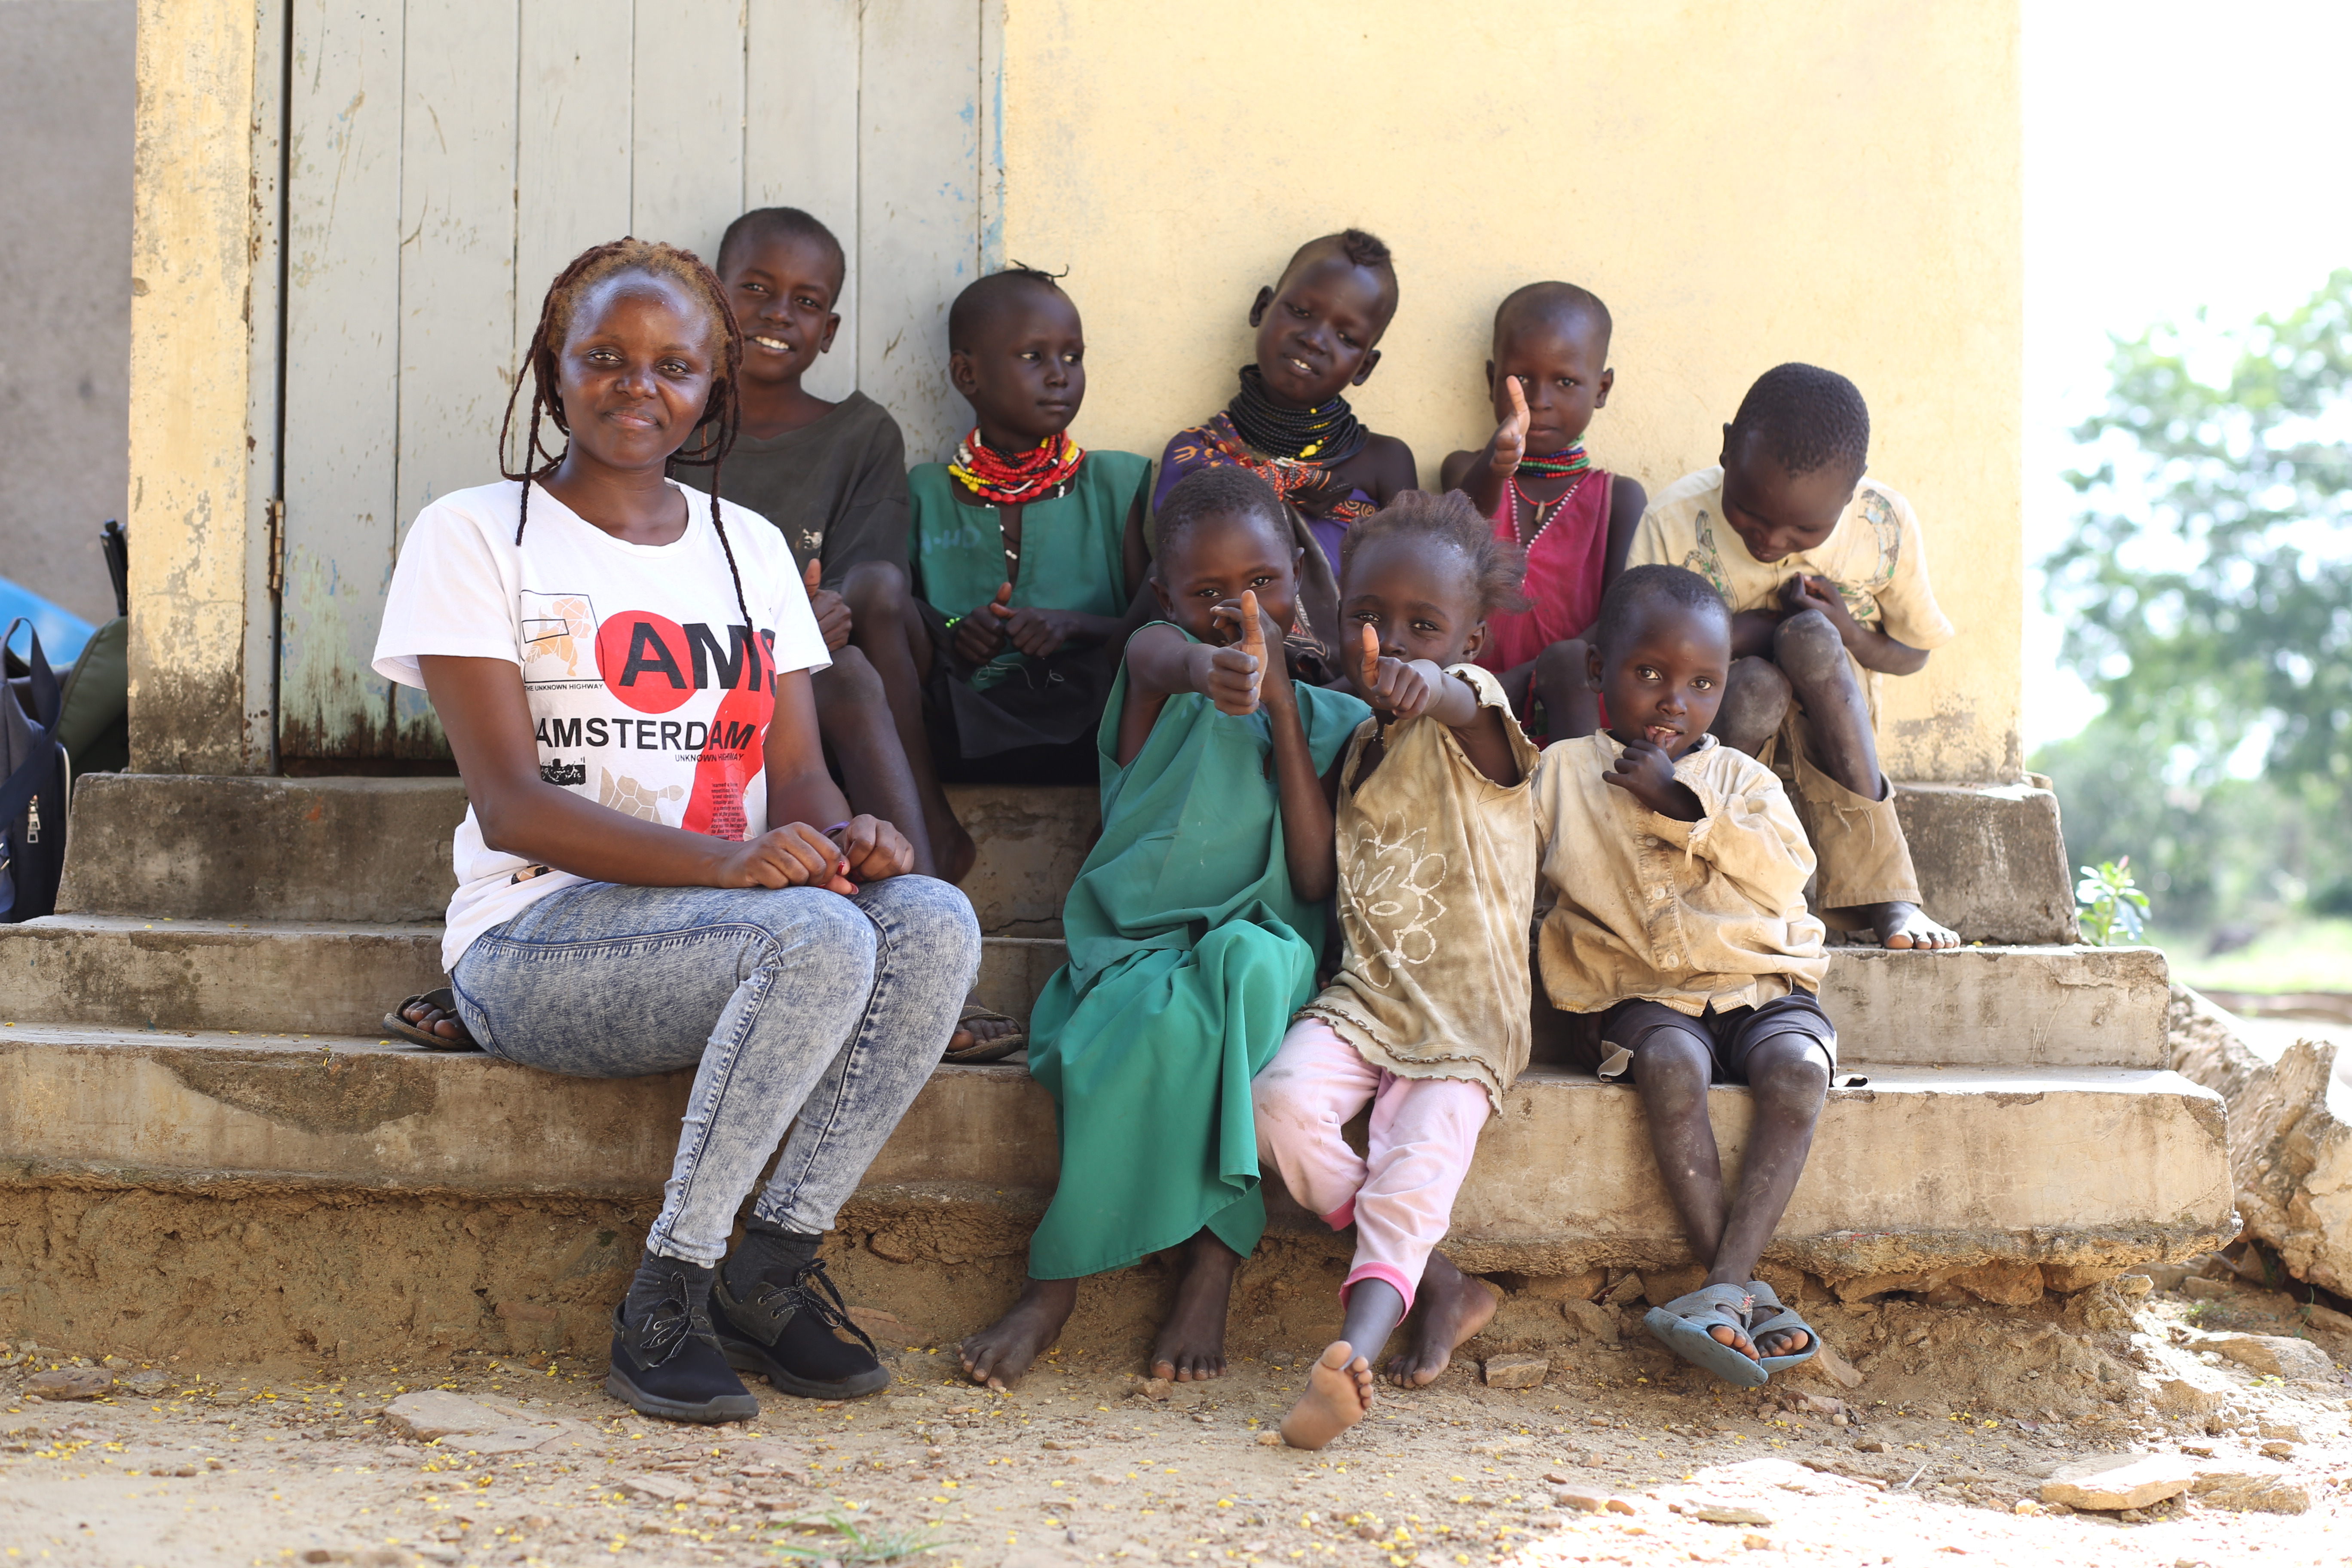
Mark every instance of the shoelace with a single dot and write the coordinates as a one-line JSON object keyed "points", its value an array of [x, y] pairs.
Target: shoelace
{"points": [[671, 1321], [822, 1302]]}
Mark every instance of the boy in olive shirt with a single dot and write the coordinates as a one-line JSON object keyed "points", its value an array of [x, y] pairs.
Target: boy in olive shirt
{"points": [[832, 476]]}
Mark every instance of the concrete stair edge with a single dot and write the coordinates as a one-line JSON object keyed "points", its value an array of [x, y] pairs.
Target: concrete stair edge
{"points": [[376, 850], [1922, 1168], [2016, 1006], [1990, 859]]}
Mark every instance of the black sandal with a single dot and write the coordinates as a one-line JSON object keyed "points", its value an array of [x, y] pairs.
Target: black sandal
{"points": [[397, 1023]]}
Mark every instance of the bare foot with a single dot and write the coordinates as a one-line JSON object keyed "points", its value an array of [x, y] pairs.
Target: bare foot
{"points": [[1002, 1353], [976, 1032], [1450, 1307], [432, 1021], [1768, 1340], [1897, 924], [1338, 1394], [1192, 1344]]}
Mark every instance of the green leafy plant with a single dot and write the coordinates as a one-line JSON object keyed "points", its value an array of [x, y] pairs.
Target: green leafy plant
{"points": [[2113, 909], [842, 1540]]}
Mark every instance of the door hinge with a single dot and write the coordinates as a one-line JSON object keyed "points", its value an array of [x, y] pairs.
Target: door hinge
{"points": [[276, 511]]}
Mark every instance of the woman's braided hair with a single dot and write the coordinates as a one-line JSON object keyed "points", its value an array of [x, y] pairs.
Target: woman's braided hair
{"points": [[715, 429]]}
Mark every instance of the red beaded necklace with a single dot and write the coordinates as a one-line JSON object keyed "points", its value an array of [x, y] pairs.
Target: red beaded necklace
{"points": [[1000, 480]]}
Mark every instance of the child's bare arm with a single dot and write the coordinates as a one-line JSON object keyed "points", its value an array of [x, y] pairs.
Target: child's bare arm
{"points": [[1399, 690], [1392, 470], [1872, 649], [1160, 662], [1134, 549], [1308, 843], [1043, 633], [1644, 772], [1627, 501], [1484, 478]]}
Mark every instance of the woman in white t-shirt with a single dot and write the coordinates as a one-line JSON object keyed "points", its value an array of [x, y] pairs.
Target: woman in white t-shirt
{"points": [[656, 870]]}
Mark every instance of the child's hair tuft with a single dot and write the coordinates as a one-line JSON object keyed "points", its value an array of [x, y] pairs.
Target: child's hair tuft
{"points": [[1205, 493], [782, 223], [721, 415], [1360, 248], [1496, 566], [1638, 587], [1365, 250], [1807, 419], [984, 297]]}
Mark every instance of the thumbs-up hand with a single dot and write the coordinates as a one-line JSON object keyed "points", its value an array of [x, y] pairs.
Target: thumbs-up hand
{"points": [[980, 635], [831, 614], [1236, 672], [1396, 691], [1510, 443]]}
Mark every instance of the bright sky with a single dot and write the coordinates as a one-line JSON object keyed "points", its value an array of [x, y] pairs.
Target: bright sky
{"points": [[2175, 156]]}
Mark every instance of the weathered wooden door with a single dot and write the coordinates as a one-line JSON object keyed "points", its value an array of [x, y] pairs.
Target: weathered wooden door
{"points": [[444, 159]]}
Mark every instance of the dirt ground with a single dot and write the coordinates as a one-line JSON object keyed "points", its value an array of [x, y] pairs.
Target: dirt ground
{"points": [[1940, 1451]]}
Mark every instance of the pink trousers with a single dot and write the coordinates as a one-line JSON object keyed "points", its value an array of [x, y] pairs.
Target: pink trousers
{"points": [[1399, 1195]]}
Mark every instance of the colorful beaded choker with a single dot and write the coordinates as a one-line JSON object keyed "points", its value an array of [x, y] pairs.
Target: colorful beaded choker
{"points": [[997, 479], [1556, 464], [1323, 436]]}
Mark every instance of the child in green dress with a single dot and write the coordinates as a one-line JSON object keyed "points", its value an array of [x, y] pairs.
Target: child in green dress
{"points": [[1192, 927]]}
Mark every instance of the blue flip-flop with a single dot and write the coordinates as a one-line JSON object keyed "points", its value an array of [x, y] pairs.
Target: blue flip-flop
{"points": [[1682, 1324], [1768, 1315]]}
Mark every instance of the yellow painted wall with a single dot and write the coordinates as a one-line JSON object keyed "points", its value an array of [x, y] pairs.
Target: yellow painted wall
{"points": [[192, 273], [1834, 180]]}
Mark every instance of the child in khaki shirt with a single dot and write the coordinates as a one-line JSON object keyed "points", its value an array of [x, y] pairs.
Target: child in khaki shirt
{"points": [[1826, 574], [1678, 936]]}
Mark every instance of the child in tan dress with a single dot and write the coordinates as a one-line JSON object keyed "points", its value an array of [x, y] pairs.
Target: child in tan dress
{"points": [[1425, 1019]]}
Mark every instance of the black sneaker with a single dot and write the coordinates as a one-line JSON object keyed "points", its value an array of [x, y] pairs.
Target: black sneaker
{"points": [[668, 1364], [785, 1331]]}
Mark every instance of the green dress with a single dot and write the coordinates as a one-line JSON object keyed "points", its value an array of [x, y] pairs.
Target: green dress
{"points": [[1073, 548], [1189, 953]]}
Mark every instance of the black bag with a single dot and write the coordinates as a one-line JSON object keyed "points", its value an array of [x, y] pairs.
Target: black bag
{"points": [[34, 782]]}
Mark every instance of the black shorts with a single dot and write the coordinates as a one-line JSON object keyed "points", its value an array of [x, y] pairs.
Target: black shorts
{"points": [[1609, 1044]]}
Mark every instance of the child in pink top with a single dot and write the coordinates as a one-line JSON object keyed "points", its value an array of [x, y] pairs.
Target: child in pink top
{"points": [[1573, 522]]}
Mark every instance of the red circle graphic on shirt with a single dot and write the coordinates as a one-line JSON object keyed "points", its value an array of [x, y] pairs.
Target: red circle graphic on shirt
{"points": [[645, 660]]}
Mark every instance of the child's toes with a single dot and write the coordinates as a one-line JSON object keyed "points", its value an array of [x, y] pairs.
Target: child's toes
{"points": [[1725, 1334]]}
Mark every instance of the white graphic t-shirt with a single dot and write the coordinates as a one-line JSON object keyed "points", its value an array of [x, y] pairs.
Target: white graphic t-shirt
{"points": [[650, 695]]}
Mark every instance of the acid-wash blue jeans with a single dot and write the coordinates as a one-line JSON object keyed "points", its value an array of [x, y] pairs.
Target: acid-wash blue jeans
{"points": [[799, 1008]]}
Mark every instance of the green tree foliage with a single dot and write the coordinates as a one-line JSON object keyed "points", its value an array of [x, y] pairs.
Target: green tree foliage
{"points": [[2207, 592], [2226, 603]]}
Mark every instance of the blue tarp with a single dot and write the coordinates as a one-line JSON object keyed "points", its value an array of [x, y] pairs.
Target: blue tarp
{"points": [[62, 631]]}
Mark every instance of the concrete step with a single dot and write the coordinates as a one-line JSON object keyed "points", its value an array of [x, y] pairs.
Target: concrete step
{"points": [[1989, 857], [243, 1157], [377, 850], [2005, 1007]]}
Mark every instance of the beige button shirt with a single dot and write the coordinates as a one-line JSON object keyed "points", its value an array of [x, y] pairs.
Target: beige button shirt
{"points": [[1876, 556], [1437, 874], [1692, 914]]}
